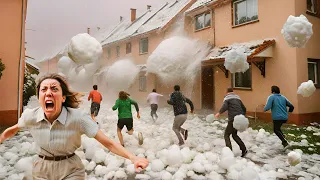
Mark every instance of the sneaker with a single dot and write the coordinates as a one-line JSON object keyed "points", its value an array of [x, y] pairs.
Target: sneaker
{"points": [[287, 146], [185, 134], [140, 138], [244, 153]]}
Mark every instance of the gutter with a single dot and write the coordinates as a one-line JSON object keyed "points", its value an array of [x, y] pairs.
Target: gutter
{"points": [[20, 61]]}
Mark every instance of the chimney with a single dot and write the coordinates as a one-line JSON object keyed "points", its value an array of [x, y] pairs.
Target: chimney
{"points": [[133, 14], [121, 18], [148, 7], [88, 30]]}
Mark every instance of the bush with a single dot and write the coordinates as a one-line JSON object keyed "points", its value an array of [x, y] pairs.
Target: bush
{"points": [[2, 67], [29, 87]]}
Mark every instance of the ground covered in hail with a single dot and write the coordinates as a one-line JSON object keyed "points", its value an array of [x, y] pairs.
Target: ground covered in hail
{"points": [[203, 156]]}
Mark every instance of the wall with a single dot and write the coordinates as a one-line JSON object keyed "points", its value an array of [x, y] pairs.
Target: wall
{"points": [[12, 19]]}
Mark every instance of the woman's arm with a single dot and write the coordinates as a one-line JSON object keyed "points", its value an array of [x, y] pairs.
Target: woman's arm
{"points": [[8, 133], [121, 151]]}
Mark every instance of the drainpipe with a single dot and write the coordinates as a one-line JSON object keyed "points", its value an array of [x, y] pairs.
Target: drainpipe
{"points": [[20, 60]]}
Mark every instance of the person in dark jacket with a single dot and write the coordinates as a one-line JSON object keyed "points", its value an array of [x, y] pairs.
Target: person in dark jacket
{"points": [[278, 105], [178, 101], [233, 104]]}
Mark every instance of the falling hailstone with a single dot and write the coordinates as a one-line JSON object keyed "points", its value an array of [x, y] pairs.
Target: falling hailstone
{"points": [[122, 74], [306, 89], [297, 31], [84, 49], [236, 61], [240, 123]]}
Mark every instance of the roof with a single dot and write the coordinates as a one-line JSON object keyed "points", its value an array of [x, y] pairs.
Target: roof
{"points": [[99, 35], [28, 62], [250, 48], [150, 20], [199, 3]]}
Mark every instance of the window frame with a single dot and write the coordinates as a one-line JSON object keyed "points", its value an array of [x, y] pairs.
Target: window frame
{"points": [[142, 79], [234, 80], [314, 5], [109, 53], [204, 27], [234, 2], [316, 63], [141, 46], [118, 51], [128, 51]]}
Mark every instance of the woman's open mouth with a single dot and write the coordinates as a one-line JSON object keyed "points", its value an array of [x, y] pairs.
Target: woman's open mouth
{"points": [[49, 105]]}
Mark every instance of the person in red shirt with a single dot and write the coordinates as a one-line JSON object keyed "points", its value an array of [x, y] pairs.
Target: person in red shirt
{"points": [[95, 103]]}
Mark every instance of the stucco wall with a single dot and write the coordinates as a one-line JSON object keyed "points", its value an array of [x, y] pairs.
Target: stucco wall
{"points": [[12, 17]]}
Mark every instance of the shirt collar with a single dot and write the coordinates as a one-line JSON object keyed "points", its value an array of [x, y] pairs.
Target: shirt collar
{"points": [[62, 117]]}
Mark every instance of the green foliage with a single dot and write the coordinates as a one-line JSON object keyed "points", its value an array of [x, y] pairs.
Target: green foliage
{"points": [[29, 87], [2, 67]]}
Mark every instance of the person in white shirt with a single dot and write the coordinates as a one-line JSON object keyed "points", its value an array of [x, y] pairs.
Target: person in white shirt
{"points": [[153, 101]]}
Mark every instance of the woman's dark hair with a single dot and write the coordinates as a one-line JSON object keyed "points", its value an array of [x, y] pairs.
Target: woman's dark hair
{"points": [[72, 98], [95, 87], [154, 90], [275, 89], [123, 95]]}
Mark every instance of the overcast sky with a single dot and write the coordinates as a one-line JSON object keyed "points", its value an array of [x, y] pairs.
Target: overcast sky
{"points": [[51, 24]]}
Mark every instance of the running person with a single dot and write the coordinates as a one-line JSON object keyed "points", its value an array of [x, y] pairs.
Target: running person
{"points": [[178, 101], [123, 104], [96, 98], [153, 101]]}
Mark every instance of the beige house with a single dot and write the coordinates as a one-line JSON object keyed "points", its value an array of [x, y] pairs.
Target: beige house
{"points": [[136, 39], [256, 26], [12, 53]]}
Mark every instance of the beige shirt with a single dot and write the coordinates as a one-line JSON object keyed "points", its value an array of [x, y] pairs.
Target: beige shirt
{"points": [[63, 136]]}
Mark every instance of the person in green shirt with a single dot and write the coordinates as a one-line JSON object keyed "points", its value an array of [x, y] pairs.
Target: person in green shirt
{"points": [[123, 104]]}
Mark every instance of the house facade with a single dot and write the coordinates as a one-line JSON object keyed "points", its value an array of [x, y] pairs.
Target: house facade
{"points": [[12, 53], [255, 25], [252, 25]]}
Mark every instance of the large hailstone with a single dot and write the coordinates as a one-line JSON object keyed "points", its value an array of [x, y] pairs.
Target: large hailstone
{"points": [[297, 31], [122, 74], [240, 123], [176, 58], [294, 158], [84, 49], [65, 65], [306, 89], [236, 61]]}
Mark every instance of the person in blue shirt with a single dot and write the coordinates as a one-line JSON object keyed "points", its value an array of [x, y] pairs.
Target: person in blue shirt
{"points": [[278, 105]]}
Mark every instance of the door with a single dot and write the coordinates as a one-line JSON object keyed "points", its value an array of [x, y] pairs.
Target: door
{"points": [[207, 89]]}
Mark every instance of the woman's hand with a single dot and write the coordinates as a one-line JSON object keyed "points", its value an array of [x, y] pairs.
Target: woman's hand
{"points": [[139, 163], [138, 115], [217, 115]]}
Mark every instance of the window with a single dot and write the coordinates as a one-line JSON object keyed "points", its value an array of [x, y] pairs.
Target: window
{"points": [[109, 53], [203, 21], [245, 11], [312, 6], [128, 48], [142, 83], [313, 71], [242, 80], [118, 51], [143, 46]]}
